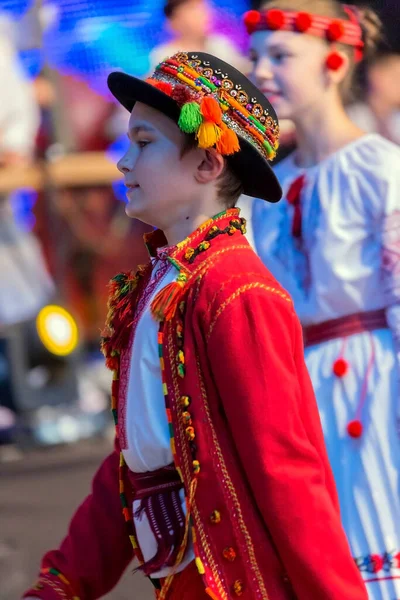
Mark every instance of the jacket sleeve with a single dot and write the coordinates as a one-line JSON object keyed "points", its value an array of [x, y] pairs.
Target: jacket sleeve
{"points": [[256, 352], [96, 550]]}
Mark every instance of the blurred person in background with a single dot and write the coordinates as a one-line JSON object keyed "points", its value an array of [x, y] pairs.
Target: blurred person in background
{"points": [[190, 22], [380, 111], [334, 244], [26, 284]]}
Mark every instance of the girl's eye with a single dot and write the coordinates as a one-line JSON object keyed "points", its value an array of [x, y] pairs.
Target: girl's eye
{"points": [[142, 143], [253, 56], [279, 56]]}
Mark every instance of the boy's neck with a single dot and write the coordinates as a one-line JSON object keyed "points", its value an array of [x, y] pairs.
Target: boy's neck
{"points": [[182, 229]]}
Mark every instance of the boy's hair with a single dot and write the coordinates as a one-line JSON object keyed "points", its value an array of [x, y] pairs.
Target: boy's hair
{"points": [[370, 24], [230, 187]]}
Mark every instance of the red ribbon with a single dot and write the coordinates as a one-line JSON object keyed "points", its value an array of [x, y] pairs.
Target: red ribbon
{"points": [[293, 197]]}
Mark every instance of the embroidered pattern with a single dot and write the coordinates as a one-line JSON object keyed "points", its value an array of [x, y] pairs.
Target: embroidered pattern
{"points": [[378, 563], [204, 547], [46, 580], [193, 484], [125, 359], [230, 489], [239, 291], [214, 108]]}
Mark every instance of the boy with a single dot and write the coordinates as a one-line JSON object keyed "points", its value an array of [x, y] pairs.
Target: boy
{"points": [[206, 350]]}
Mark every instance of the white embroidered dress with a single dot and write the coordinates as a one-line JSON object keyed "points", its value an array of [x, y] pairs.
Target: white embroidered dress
{"points": [[349, 262]]}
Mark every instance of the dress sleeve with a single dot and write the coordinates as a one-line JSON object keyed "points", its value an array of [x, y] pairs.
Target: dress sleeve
{"points": [[96, 550], [271, 411]]}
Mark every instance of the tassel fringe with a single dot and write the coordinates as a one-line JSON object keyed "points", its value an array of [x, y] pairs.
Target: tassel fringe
{"points": [[164, 304], [190, 118], [229, 142], [208, 134], [211, 110]]}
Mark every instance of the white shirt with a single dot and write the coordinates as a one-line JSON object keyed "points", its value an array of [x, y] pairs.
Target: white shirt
{"points": [[147, 430]]}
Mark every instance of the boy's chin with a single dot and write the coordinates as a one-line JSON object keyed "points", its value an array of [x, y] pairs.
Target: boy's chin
{"points": [[133, 211]]}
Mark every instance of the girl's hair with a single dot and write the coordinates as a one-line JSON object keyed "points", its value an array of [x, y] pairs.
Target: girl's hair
{"points": [[371, 26]]}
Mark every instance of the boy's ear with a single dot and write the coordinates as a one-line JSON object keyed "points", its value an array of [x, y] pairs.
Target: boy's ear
{"points": [[210, 167]]}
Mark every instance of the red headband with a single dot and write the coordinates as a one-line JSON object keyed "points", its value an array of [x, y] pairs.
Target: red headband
{"points": [[334, 30]]}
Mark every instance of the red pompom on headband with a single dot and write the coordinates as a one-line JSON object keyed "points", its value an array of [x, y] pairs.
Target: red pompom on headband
{"points": [[343, 31]]}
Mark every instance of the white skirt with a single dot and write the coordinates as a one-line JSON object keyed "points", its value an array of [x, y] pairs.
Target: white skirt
{"points": [[366, 469]]}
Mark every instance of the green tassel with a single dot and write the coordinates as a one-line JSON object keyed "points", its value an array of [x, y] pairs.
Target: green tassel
{"points": [[190, 118]]}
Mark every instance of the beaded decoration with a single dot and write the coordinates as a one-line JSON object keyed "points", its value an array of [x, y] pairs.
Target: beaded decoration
{"points": [[214, 108], [185, 403], [343, 31]]}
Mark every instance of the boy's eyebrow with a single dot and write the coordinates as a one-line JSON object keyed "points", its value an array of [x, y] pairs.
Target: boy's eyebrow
{"points": [[140, 127]]}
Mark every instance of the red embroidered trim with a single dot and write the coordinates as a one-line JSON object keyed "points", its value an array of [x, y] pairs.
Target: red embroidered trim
{"points": [[125, 360]]}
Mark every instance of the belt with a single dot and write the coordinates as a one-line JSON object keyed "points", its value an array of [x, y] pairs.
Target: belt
{"points": [[344, 327]]}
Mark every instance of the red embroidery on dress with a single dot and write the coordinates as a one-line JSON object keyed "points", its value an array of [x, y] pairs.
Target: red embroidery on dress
{"points": [[391, 257], [125, 359]]}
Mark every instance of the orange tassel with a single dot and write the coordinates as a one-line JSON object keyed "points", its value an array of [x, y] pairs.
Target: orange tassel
{"points": [[211, 110], [228, 142], [165, 302]]}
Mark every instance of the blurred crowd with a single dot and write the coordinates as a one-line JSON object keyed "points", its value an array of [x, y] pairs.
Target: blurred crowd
{"points": [[79, 236]]}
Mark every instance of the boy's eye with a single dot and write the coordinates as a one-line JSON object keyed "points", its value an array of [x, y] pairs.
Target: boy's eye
{"points": [[142, 143]]}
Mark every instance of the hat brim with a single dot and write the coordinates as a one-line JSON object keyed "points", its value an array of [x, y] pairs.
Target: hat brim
{"points": [[257, 176]]}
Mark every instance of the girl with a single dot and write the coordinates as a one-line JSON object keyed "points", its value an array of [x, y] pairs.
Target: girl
{"points": [[334, 243]]}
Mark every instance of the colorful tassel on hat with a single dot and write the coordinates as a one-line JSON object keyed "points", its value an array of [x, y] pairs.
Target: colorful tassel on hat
{"points": [[229, 141], [208, 134], [190, 118], [165, 302], [211, 110]]}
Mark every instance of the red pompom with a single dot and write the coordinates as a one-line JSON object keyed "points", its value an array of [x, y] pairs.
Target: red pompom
{"points": [[340, 367], [334, 61], [355, 429], [181, 94], [275, 18], [377, 563], [335, 31], [251, 19], [303, 22], [163, 86]]}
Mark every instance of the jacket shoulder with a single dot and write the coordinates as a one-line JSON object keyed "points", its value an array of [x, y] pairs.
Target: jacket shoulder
{"points": [[231, 271]]}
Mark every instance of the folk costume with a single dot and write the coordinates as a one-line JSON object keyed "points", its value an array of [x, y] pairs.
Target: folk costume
{"points": [[220, 463], [334, 243]]}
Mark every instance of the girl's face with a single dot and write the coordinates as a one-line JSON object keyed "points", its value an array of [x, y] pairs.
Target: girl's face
{"points": [[289, 68]]}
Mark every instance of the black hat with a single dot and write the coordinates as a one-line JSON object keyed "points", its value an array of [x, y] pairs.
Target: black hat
{"points": [[208, 97]]}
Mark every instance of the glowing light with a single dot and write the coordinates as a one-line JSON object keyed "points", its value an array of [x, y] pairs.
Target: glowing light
{"points": [[57, 330]]}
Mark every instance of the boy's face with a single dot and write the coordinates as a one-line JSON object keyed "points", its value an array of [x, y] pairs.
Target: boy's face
{"points": [[161, 183]]}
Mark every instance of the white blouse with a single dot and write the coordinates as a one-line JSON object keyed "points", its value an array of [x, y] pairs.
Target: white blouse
{"points": [[350, 257]]}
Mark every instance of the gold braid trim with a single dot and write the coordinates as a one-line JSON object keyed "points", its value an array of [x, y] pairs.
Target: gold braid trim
{"points": [[241, 290]]}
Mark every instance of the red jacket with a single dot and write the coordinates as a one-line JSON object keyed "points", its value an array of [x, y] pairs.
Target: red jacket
{"points": [[264, 487]]}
